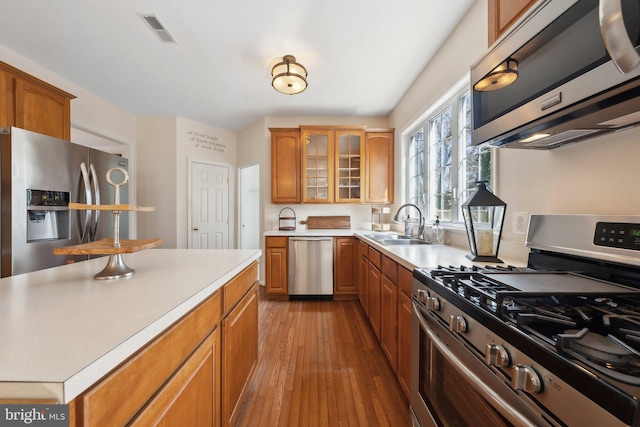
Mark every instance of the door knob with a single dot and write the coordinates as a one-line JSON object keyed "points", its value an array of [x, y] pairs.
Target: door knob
{"points": [[195, 228]]}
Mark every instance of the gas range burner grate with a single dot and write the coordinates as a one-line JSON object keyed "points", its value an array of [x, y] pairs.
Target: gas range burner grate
{"points": [[446, 271], [476, 288]]}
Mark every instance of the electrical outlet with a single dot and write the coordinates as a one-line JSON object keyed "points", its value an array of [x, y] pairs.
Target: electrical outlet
{"points": [[520, 222]]}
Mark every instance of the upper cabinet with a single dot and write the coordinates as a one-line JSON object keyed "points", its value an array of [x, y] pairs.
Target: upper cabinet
{"points": [[379, 166], [349, 161], [339, 164], [285, 166], [31, 104], [503, 14], [317, 165]]}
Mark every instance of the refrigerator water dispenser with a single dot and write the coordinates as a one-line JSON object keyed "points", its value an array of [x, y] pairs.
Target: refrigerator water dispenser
{"points": [[47, 215]]}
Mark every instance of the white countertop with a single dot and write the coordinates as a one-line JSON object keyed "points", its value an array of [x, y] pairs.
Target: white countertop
{"points": [[61, 330], [409, 256]]}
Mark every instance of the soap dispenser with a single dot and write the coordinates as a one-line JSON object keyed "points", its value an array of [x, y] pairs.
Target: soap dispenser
{"points": [[437, 233]]}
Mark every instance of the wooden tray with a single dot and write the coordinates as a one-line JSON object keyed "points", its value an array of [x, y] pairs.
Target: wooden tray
{"points": [[103, 247], [319, 222]]}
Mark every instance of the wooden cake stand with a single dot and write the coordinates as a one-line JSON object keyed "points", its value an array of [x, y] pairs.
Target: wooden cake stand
{"points": [[115, 248]]}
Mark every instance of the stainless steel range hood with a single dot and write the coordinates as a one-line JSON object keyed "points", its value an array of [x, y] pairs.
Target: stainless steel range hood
{"points": [[568, 80]]}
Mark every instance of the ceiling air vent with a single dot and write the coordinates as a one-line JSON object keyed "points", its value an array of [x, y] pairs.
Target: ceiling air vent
{"points": [[158, 28]]}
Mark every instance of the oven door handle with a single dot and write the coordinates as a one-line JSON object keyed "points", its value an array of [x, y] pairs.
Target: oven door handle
{"points": [[508, 411]]}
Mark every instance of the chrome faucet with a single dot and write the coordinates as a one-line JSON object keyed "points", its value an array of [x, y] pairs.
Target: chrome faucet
{"points": [[420, 225]]}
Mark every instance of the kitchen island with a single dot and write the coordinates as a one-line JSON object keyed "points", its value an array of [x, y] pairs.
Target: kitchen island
{"points": [[63, 332]]}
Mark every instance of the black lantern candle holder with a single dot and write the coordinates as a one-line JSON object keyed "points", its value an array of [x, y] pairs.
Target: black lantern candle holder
{"points": [[483, 218]]}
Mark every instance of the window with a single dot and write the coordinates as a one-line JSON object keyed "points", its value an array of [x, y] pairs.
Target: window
{"points": [[443, 168]]}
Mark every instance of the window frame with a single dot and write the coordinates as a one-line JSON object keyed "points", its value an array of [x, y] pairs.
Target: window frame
{"points": [[452, 96]]}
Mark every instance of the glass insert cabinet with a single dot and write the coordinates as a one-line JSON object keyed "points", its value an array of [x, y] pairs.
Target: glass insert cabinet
{"points": [[332, 165]]}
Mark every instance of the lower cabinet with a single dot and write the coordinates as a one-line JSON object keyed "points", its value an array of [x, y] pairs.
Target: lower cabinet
{"points": [[344, 275], [404, 343], [374, 279], [389, 320], [239, 353], [384, 290], [363, 273], [192, 396], [276, 267]]}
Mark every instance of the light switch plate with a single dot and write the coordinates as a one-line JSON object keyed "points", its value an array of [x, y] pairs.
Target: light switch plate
{"points": [[520, 222]]}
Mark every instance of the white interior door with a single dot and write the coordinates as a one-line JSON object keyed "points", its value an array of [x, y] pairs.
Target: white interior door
{"points": [[249, 207], [210, 206]]}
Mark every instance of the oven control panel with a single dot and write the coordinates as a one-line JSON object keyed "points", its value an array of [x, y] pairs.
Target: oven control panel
{"points": [[621, 235]]}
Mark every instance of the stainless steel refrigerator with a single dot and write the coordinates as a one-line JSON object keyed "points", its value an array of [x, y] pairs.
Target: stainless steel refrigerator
{"points": [[40, 175]]}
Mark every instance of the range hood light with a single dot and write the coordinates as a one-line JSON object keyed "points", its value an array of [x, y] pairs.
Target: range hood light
{"points": [[536, 137], [501, 76]]}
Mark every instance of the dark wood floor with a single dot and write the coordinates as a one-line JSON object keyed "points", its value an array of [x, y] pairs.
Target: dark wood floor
{"points": [[320, 365]]}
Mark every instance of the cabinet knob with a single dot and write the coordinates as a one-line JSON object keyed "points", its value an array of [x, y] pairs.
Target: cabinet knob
{"points": [[525, 378], [195, 228], [496, 355]]}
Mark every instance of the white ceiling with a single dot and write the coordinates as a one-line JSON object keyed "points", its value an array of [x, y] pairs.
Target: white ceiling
{"points": [[361, 55]]}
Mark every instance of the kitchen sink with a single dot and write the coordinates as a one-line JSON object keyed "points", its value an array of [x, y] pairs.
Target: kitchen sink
{"points": [[379, 237], [404, 241], [395, 239]]}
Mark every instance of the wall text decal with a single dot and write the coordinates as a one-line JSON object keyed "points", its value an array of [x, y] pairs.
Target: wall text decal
{"points": [[206, 142]]}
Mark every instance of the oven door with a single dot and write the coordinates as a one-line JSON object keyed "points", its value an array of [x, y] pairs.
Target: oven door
{"points": [[453, 387]]}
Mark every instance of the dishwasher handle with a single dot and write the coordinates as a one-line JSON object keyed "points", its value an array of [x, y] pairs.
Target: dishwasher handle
{"points": [[310, 239]]}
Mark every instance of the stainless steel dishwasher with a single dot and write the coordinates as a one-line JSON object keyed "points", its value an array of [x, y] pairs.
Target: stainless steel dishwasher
{"points": [[311, 266]]}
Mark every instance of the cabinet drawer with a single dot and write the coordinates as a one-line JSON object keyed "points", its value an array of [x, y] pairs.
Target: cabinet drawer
{"points": [[363, 248], [390, 269], [277, 242], [405, 277], [117, 398], [238, 286], [375, 257]]}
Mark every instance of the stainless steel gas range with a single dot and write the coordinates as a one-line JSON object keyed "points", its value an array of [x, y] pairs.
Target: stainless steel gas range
{"points": [[554, 343]]}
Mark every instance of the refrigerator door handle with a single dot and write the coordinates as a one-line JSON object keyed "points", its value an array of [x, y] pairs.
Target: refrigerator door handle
{"points": [[93, 177], [84, 182]]}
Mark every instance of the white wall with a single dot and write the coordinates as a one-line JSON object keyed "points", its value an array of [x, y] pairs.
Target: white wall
{"points": [[157, 179], [165, 147]]}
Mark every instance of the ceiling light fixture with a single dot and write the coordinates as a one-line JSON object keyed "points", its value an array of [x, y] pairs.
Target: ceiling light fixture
{"points": [[289, 77], [501, 76]]}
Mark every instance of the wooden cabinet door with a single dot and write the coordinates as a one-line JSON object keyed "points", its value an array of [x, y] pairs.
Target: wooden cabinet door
{"points": [[373, 297], [317, 165], [363, 275], [503, 14], [404, 343], [239, 354], [285, 166], [379, 167], [345, 256], [42, 110], [7, 99], [276, 269], [389, 320], [192, 395], [349, 152]]}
